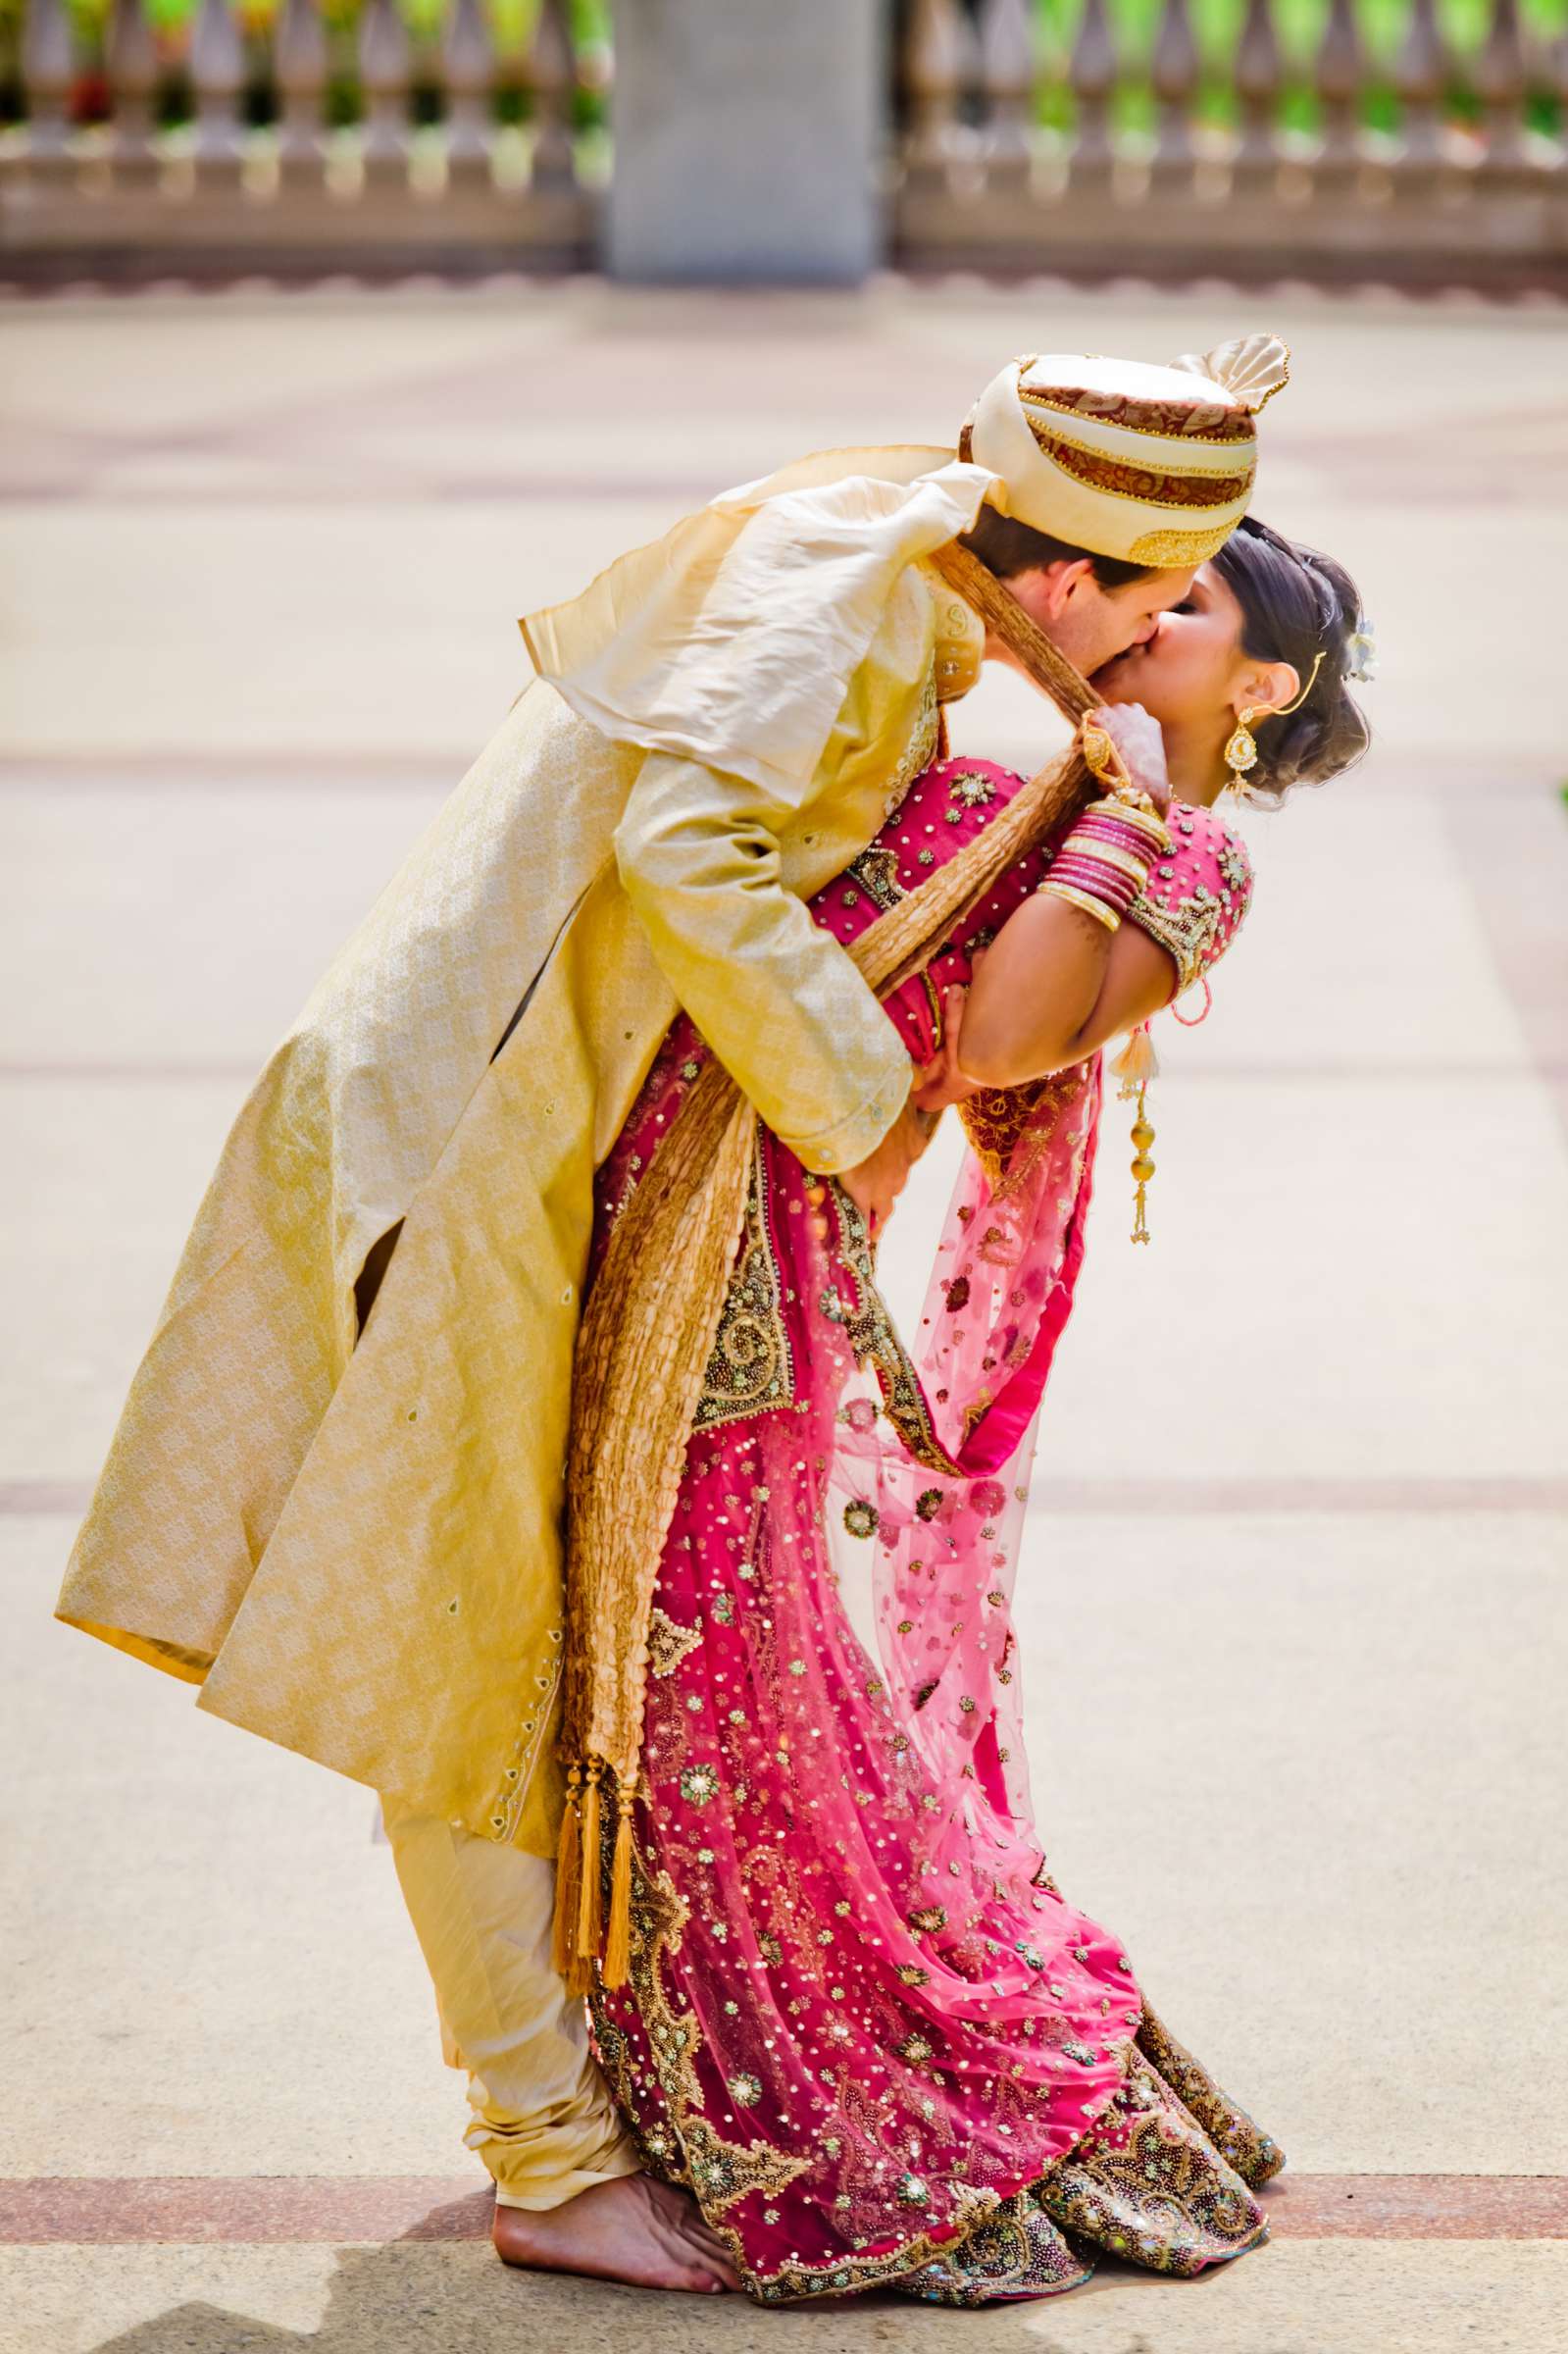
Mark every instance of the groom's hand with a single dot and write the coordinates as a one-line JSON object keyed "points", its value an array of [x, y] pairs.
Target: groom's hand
{"points": [[1139, 738], [875, 1184], [943, 1080]]}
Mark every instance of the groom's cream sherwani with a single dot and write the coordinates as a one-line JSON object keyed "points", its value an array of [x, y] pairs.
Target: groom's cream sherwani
{"points": [[355, 1548]]}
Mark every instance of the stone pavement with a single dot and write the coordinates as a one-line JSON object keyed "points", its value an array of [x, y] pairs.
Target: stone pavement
{"points": [[1294, 1600]]}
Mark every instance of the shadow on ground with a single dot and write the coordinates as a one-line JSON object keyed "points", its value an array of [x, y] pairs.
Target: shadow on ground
{"points": [[417, 2296]]}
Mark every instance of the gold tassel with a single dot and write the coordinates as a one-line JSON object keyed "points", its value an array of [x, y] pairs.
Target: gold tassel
{"points": [[568, 1877], [590, 1923], [1142, 1169], [1134, 1066], [617, 1940], [1137, 1064]]}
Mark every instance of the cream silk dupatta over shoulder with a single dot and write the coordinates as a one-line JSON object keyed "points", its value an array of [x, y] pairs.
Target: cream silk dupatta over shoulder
{"points": [[356, 1551]]}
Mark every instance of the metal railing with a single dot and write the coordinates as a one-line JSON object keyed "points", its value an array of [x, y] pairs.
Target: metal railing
{"points": [[401, 131], [303, 137], [1335, 161]]}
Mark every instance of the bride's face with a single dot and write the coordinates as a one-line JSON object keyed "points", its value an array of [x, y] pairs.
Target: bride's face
{"points": [[1188, 673]]}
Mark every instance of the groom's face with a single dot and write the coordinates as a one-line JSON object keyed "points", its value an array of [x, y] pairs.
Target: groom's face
{"points": [[1089, 624]]}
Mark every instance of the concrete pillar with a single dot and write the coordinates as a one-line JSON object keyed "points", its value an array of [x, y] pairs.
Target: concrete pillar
{"points": [[748, 135]]}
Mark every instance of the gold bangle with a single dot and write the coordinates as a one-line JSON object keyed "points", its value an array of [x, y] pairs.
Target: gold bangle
{"points": [[1141, 814], [1131, 798], [1109, 853], [1081, 899]]}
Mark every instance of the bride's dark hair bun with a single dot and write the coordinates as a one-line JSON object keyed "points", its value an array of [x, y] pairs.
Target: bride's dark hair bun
{"points": [[1296, 605]]}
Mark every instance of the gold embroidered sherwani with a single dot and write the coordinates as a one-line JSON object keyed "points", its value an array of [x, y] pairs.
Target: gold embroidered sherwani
{"points": [[355, 1548]]}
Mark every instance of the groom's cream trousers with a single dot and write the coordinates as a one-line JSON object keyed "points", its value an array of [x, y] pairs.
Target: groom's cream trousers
{"points": [[544, 2120]]}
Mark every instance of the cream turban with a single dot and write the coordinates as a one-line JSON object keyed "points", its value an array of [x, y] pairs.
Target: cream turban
{"points": [[1154, 465]]}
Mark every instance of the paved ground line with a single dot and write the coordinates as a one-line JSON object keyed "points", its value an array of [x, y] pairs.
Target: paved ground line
{"points": [[301, 2210]]}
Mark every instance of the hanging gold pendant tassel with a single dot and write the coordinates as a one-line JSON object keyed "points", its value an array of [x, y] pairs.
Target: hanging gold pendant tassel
{"points": [[1142, 1169], [1134, 1066], [618, 1938], [591, 1917], [568, 1877], [1137, 1064]]}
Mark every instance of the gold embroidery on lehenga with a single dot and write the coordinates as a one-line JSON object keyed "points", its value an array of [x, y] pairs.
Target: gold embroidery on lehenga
{"points": [[875, 870], [995, 1118], [669, 1643], [751, 1368], [1146, 2182], [717, 2171], [872, 1334], [1016, 2251], [723, 2172], [851, 2274], [1256, 2155]]}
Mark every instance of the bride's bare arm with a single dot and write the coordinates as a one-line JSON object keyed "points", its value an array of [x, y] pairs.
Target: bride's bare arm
{"points": [[1055, 983], [1053, 986]]}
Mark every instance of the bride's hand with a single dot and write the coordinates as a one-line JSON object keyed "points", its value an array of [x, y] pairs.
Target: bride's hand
{"points": [[940, 1081], [1136, 736]]}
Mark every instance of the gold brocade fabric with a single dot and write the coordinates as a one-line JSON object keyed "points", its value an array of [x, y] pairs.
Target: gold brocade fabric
{"points": [[1154, 2182], [355, 1550]]}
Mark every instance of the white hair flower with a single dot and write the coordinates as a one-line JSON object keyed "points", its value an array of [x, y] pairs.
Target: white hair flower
{"points": [[1361, 654]]}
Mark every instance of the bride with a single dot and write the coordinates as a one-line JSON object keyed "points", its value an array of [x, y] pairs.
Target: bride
{"points": [[842, 2002]]}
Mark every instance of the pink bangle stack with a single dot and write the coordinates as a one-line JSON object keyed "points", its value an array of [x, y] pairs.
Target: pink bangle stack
{"points": [[1104, 862]]}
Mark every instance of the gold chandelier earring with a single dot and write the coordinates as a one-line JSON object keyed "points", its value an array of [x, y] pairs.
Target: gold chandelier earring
{"points": [[1242, 751]]}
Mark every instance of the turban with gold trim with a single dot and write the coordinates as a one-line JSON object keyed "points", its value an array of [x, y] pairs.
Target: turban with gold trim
{"points": [[1153, 465]]}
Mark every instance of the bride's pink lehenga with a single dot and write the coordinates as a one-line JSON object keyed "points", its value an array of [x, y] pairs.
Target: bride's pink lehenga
{"points": [[861, 2024]]}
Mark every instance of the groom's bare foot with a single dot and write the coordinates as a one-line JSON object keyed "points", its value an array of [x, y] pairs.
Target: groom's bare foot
{"points": [[635, 2229]]}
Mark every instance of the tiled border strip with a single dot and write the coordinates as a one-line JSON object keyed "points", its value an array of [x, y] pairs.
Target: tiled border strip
{"points": [[301, 2210], [1419, 2207]]}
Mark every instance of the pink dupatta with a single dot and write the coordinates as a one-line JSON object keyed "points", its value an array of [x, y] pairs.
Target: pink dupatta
{"points": [[947, 1541]]}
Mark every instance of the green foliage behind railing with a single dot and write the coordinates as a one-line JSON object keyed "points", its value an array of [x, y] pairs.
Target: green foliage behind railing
{"points": [[1216, 23], [1299, 26], [512, 24], [512, 20]]}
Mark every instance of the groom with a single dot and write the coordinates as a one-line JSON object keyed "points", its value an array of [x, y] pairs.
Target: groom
{"points": [[334, 1498]]}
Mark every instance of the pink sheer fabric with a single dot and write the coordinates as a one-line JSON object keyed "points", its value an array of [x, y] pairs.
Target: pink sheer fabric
{"points": [[1006, 1272], [861, 2018], [946, 1542]]}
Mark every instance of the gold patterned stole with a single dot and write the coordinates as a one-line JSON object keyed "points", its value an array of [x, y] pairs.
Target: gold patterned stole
{"points": [[648, 1328]]}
